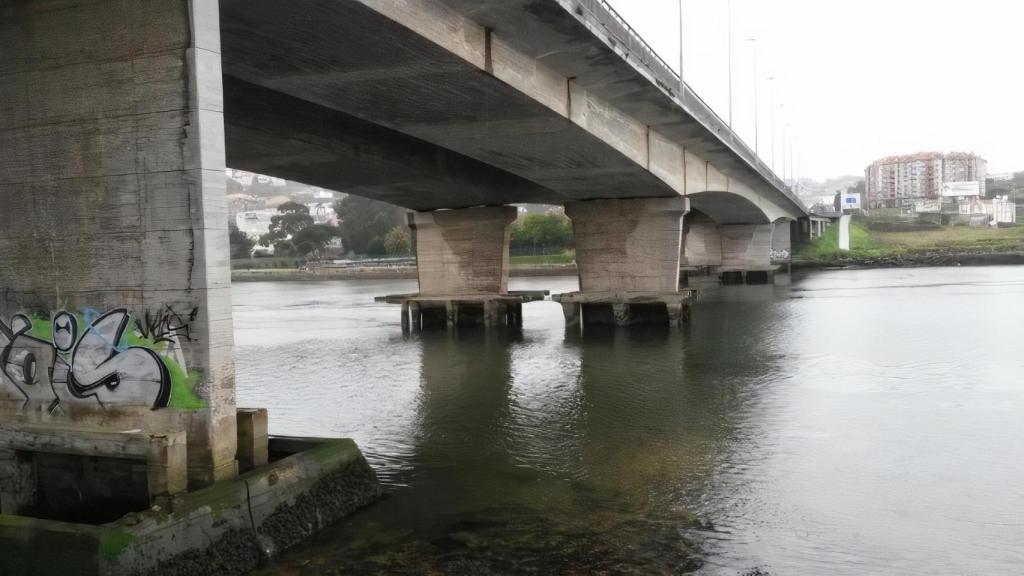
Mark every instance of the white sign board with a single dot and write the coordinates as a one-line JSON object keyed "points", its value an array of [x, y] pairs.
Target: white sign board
{"points": [[851, 201], [961, 189]]}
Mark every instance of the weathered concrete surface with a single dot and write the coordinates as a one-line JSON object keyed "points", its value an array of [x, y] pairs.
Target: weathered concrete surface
{"points": [[269, 132], [463, 251], [583, 309], [628, 245], [782, 241], [71, 472], [555, 93], [113, 225], [225, 529], [253, 437], [702, 244], [746, 247], [439, 312]]}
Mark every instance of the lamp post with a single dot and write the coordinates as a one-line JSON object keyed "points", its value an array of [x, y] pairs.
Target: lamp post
{"points": [[771, 89], [682, 81], [729, 36], [753, 48]]}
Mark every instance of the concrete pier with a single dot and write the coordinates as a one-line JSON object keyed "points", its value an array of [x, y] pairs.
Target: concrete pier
{"points": [[117, 377], [736, 253], [115, 294], [627, 253], [464, 251]]}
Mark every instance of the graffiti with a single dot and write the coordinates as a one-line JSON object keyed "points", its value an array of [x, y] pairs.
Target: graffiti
{"points": [[109, 358], [167, 325], [779, 255]]}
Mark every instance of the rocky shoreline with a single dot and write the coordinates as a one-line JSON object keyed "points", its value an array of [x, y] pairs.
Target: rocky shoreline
{"points": [[917, 260]]}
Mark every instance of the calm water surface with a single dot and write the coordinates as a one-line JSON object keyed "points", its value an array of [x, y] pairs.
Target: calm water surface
{"points": [[852, 422]]}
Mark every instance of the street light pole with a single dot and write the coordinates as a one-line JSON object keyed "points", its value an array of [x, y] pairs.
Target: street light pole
{"points": [[682, 81], [753, 47], [771, 89], [729, 26]]}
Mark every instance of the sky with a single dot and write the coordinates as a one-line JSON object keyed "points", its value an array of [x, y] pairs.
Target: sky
{"points": [[853, 80]]}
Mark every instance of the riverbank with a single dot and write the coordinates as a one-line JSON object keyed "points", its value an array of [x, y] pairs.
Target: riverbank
{"points": [[872, 248], [377, 273]]}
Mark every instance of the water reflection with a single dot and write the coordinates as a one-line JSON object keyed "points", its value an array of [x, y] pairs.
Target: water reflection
{"points": [[851, 423]]}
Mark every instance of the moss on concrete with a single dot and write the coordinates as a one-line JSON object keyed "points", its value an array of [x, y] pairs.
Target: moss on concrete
{"points": [[326, 482], [114, 541]]}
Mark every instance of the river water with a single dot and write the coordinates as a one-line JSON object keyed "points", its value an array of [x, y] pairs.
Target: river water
{"points": [[847, 422]]}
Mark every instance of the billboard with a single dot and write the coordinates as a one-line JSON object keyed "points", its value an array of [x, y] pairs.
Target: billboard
{"points": [[851, 201], [972, 188]]}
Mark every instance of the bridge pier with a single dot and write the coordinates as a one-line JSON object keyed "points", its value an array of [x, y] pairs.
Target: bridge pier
{"points": [[117, 376], [114, 269], [627, 253], [462, 261], [737, 253]]}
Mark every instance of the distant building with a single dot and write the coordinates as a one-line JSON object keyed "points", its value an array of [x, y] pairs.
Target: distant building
{"points": [[902, 181]]}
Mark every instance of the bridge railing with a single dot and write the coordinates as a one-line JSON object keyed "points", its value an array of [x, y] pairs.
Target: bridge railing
{"points": [[634, 47]]}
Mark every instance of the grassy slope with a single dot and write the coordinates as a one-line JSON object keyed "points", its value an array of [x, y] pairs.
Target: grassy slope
{"points": [[562, 258], [866, 243]]}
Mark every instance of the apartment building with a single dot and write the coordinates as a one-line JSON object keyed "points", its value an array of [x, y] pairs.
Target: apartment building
{"points": [[899, 181]]}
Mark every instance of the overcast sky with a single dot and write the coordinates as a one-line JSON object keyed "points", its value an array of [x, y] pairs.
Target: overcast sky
{"points": [[855, 79]]}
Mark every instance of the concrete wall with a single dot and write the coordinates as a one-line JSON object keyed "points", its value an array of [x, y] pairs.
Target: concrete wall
{"points": [[782, 243], [115, 304], [463, 251], [628, 245], [702, 245], [746, 246]]}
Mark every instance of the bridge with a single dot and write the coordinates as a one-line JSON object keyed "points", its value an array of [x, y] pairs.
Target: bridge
{"points": [[119, 120]]}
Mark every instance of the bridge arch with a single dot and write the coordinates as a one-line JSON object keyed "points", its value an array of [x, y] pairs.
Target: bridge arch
{"points": [[740, 206]]}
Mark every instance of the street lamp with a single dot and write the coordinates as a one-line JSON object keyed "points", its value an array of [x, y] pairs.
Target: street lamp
{"points": [[753, 48], [729, 27], [771, 89], [682, 81]]}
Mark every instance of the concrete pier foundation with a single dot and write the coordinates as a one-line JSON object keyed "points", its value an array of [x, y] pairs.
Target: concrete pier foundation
{"points": [[462, 262], [449, 312], [625, 309], [627, 253]]}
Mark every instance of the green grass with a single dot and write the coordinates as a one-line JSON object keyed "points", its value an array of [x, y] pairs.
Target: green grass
{"points": [[562, 258], [867, 244]]}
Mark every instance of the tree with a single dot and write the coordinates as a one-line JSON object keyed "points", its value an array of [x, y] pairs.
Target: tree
{"points": [[313, 239], [365, 222], [398, 241], [548, 231], [241, 243], [290, 219]]}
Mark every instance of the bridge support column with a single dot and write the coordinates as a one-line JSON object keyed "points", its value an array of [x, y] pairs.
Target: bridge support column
{"points": [[462, 262], [627, 253], [746, 253], [115, 289]]}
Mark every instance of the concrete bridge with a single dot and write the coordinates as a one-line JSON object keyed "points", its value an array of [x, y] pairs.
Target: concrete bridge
{"points": [[119, 120]]}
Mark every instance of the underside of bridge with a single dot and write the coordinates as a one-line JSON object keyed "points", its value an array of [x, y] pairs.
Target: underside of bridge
{"points": [[456, 104]]}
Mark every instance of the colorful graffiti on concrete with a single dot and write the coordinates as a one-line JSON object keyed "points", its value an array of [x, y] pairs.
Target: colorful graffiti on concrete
{"points": [[106, 359]]}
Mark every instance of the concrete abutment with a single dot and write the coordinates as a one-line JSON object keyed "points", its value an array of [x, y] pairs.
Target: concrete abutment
{"points": [[116, 291], [117, 376]]}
